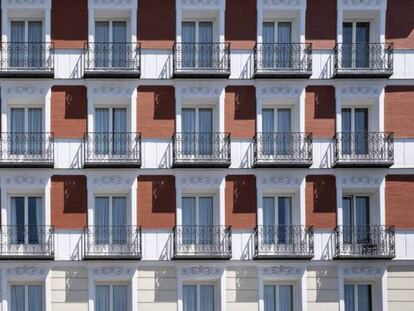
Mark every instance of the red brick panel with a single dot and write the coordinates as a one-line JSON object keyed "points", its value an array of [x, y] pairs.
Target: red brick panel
{"points": [[320, 111], [399, 198], [156, 111], [241, 204], [69, 23], [69, 111], [241, 23], [321, 201], [240, 111], [321, 23], [400, 23], [399, 111], [156, 23], [156, 201], [69, 201]]}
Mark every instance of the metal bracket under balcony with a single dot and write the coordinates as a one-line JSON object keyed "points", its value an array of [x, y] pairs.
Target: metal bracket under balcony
{"points": [[364, 242], [112, 242], [283, 60], [364, 149], [283, 150], [202, 60], [27, 150], [202, 150], [284, 242], [112, 60], [27, 60], [202, 242], [27, 242], [112, 150], [363, 60]]}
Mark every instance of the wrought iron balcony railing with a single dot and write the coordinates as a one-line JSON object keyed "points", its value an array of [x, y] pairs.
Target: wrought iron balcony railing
{"points": [[364, 149], [202, 242], [27, 241], [370, 241], [201, 150], [284, 241], [363, 60], [283, 149], [27, 59], [112, 149], [112, 59], [283, 60], [27, 149], [112, 242], [202, 59]]}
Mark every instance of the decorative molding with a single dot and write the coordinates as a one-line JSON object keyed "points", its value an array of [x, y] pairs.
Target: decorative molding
{"points": [[362, 271], [363, 3], [281, 271], [25, 180], [113, 2], [282, 3], [280, 91], [26, 90], [281, 180], [200, 91], [113, 271], [200, 181], [360, 91], [112, 90], [200, 3], [111, 181], [26, 271], [25, 2], [202, 272], [361, 181]]}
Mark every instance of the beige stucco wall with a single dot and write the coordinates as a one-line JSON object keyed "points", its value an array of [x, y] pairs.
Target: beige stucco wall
{"points": [[401, 288], [322, 289], [242, 289]]}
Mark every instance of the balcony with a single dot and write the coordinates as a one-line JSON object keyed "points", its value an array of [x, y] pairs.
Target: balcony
{"points": [[112, 60], [363, 60], [365, 149], [365, 242], [202, 60], [201, 150], [27, 242], [283, 60], [112, 150], [27, 150], [27, 60], [202, 242], [112, 242], [283, 150], [283, 242]]}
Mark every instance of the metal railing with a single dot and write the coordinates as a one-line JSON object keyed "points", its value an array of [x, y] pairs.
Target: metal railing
{"points": [[289, 57], [112, 242], [365, 241], [283, 148], [30, 241], [364, 57], [112, 148], [292, 241], [199, 57], [25, 148], [27, 56], [201, 148], [375, 148], [112, 56], [207, 242]]}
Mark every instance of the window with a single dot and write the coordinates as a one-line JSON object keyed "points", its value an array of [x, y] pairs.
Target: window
{"points": [[28, 297], [278, 298], [110, 44], [277, 47], [356, 219], [197, 220], [197, 44], [355, 131], [358, 297], [198, 297], [276, 128], [277, 219], [197, 131], [26, 44], [355, 40], [111, 297]]}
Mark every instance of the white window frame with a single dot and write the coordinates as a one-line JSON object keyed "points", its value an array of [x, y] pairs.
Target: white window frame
{"points": [[197, 27], [353, 196], [111, 116], [111, 21], [110, 198], [276, 206], [111, 292], [26, 26], [197, 205], [275, 115], [197, 116], [277, 292], [354, 22], [198, 284], [26, 292], [355, 287], [353, 108], [276, 27], [26, 206], [26, 115]]}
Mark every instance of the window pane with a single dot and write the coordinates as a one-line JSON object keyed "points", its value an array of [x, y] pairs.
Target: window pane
{"points": [[269, 218], [285, 299], [269, 298], [102, 298], [17, 220], [17, 128], [35, 219], [349, 298], [119, 230], [35, 298], [17, 298], [120, 302], [189, 298], [364, 298], [268, 32], [189, 220], [207, 298], [102, 220]]}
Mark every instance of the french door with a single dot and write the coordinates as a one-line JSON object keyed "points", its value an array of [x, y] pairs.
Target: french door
{"points": [[355, 138], [26, 219], [277, 220], [276, 128], [110, 44], [197, 220], [356, 219], [110, 220], [355, 47], [197, 44], [198, 297], [26, 44], [358, 297], [278, 298], [277, 48], [197, 131]]}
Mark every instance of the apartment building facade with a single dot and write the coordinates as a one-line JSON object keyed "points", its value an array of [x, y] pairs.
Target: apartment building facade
{"points": [[207, 155]]}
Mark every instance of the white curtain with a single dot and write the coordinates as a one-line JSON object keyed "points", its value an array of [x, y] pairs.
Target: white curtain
{"points": [[35, 295], [101, 44], [35, 55], [120, 51], [269, 298], [120, 302], [361, 129], [188, 47], [364, 297], [268, 51], [17, 129], [284, 52], [102, 298], [189, 298], [35, 219], [206, 220], [35, 122], [102, 219], [189, 220], [120, 138], [268, 32], [362, 219], [269, 220], [17, 220], [284, 218], [206, 49], [284, 128], [17, 298], [119, 234], [206, 297], [349, 298], [285, 299], [346, 120], [188, 131], [101, 131], [268, 128], [347, 218], [17, 48], [205, 129]]}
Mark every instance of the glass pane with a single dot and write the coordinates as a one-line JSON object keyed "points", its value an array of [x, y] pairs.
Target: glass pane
{"points": [[347, 218], [189, 220], [206, 298], [35, 48], [285, 219], [17, 302], [188, 45], [349, 298], [206, 49], [119, 47], [17, 128], [364, 298], [35, 296], [269, 216], [361, 131], [102, 298], [17, 49], [286, 298], [268, 48], [188, 131], [102, 49], [120, 136], [205, 128], [119, 215], [362, 45], [362, 219], [284, 51], [35, 136], [268, 128], [206, 229], [35, 219], [347, 47], [346, 131], [284, 141], [120, 302], [189, 298], [102, 220], [101, 134], [17, 220], [269, 298]]}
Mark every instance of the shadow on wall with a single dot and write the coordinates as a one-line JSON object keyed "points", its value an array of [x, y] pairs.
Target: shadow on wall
{"points": [[246, 286], [77, 251], [247, 160], [166, 70], [77, 72], [326, 292], [74, 201], [165, 285], [167, 251], [76, 287], [328, 158], [166, 159], [327, 69], [77, 161], [248, 251], [248, 69]]}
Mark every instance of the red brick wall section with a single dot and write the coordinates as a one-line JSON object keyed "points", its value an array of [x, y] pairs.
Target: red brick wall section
{"points": [[399, 200], [156, 202], [69, 111], [156, 111], [240, 111], [320, 111], [321, 23], [69, 21], [156, 23], [398, 111], [400, 23], [69, 201], [241, 205], [241, 35], [321, 201]]}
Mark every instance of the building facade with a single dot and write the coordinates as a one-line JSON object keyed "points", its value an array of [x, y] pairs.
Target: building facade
{"points": [[207, 155]]}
